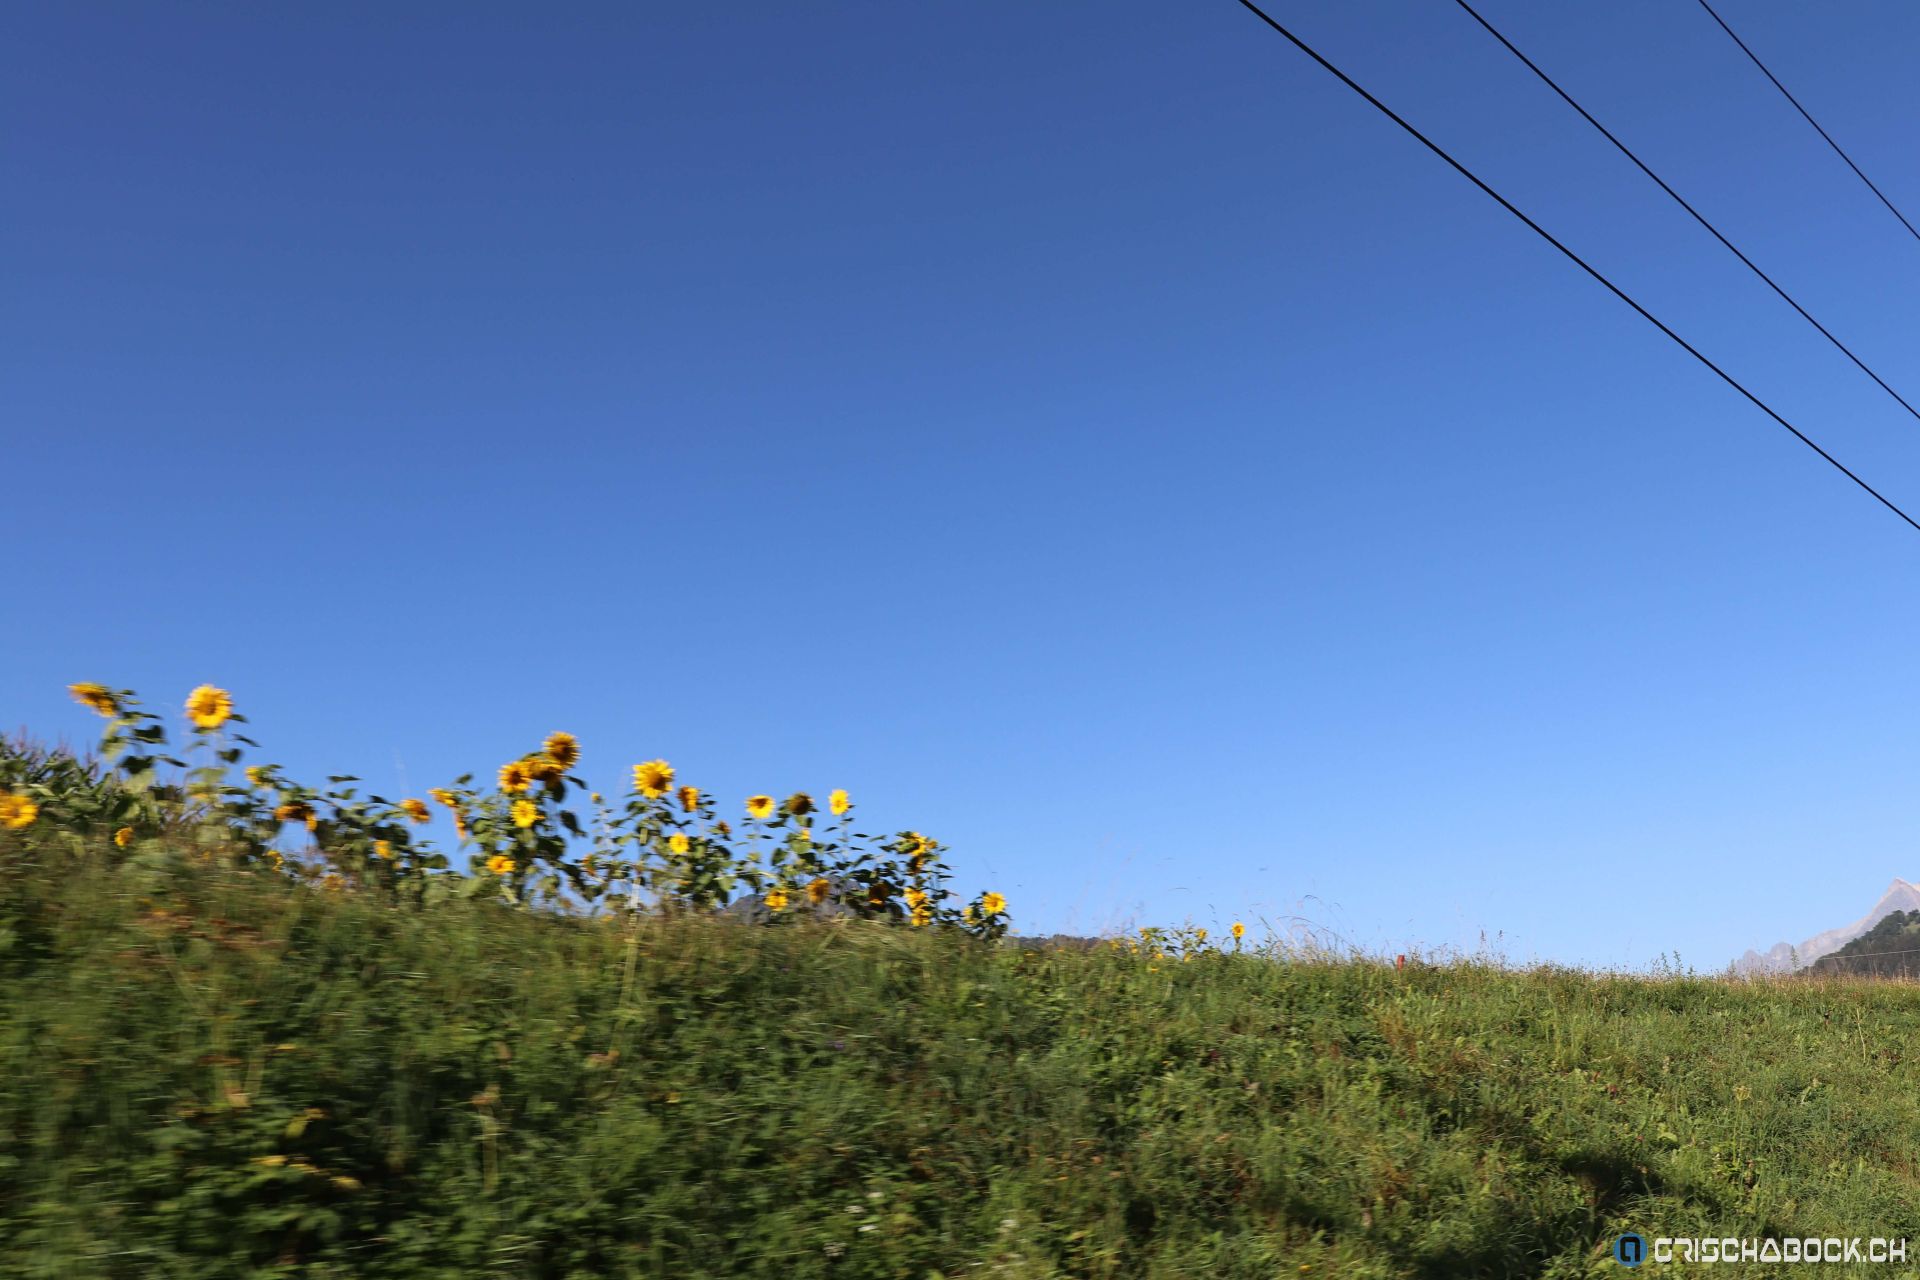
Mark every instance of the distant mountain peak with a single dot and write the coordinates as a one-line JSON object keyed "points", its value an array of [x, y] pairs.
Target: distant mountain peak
{"points": [[1901, 895]]}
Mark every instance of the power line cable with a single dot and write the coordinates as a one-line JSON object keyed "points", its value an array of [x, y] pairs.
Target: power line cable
{"points": [[1810, 120], [1679, 200], [1575, 258]]}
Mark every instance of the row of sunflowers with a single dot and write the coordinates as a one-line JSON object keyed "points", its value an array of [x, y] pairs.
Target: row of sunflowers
{"points": [[527, 836]]}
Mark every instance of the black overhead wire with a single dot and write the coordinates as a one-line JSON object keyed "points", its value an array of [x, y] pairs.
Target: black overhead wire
{"points": [[1577, 260], [1810, 120], [1679, 200]]}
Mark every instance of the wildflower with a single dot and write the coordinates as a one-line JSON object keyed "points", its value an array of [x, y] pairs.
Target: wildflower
{"points": [[415, 809], [515, 776], [123, 837], [759, 806], [443, 796], [97, 696], [499, 864], [525, 813], [563, 749], [993, 904], [817, 890], [922, 916], [1199, 935], [879, 893], [17, 811], [689, 798], [297, 811], [209, 707], [777, 899], [544, 769], [799, 804], [838, 802], [679, 844], [383, 849], [916, 898], [1239, 931], [652, 778], [257, 775]]}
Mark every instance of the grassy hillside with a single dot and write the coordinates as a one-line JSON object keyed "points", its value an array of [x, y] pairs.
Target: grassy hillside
{"points": [[207, 1071]]}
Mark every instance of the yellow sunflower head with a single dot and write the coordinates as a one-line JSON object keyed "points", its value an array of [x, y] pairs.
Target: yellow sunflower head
{"points": [[123, 837], [1199, 935], [799, 804], [383, 849], [258, 775], [679, 844], [563, 749], [759, 806], [689, 798], [916, 898], [17, 812], [818, 889], [209, 707], [515, 776], [415, 809], [96, 696], [545, 769], [653, 778], [499, 864], [295, 811], [922, 916], [440, 795], [1239, 931], [777, 899], [838, 802], [993, 904], [525, 813]]}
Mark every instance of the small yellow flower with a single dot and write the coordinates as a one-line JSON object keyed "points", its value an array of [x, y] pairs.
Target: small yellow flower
{"points": [[1199, 935], [818, 889], [1239, 931], [993, 904], [652, 778], [499, 864], [777, 899], [257, 775], [803, 835], [209, 707], [415, 809], [689, 798], [515, 776], [525, 813], [922, 916], [916, 898], [441, 795], [838, 802], [123, 837], [96, 696], [759, 806], [563, 749], [383, 849], [459, 824], [276, 858], [679, 844], [17, 812], [799, 804]]}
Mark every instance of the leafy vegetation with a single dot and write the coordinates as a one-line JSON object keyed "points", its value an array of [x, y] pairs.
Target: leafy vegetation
{"points": [[1891, 949]]}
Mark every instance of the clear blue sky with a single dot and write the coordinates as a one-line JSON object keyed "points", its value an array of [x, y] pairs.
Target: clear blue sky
{"points": [[1085, 432]]}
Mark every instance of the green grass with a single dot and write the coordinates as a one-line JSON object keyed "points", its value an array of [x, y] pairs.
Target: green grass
{"points": [[273, 1081]]}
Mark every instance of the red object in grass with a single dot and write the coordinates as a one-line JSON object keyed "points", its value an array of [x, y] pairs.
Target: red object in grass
{"points": [[1399, 962]]}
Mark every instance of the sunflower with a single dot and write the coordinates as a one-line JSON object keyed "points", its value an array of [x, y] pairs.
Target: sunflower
{"points": [[653, 778], [723, 828], [679, 844], [799, 804], [879, 894], [922, 916], [916, 898], [440, 795], [1199, 935], [123, 837], [297, 811], [777, 899], [818, 889], [415, 809], [459, 824], [515, 776], [993, 904], [257, 775], [499, 864], [759, 806], [689, 798], [563, 749], [525, 813], [383, 849], [547, 770], [97, 696], [17, 812], [1239, 931], [838, 802], [209, 707]]}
